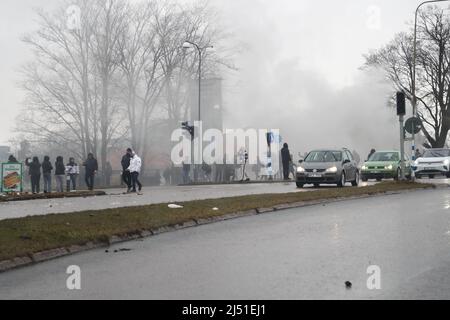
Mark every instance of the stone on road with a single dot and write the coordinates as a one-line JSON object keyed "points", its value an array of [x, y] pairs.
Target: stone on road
{"points": [[306, 253]]}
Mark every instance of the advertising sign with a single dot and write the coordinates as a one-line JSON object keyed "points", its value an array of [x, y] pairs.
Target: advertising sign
{"points": [[11, 175]]}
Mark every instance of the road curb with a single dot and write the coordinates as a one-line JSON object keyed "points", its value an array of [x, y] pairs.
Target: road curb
{"points": [[47, 255]]}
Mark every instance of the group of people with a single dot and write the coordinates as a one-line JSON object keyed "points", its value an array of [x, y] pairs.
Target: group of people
{"points": [[131, 168], [68, 172]]}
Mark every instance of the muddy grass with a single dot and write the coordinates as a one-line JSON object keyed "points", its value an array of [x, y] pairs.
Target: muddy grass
{"points": [[25, 236]]}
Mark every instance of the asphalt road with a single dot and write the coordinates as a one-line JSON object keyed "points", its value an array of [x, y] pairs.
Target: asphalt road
{"points": [[306, 253], [116, 198]]}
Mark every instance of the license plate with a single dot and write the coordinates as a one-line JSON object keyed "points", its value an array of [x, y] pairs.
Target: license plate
{"points": [[375, 172], [315, 175]]}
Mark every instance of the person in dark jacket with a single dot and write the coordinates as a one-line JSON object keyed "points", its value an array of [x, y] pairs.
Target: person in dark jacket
{"points": [[91, 167], [60, 174], [35, 173], [286, 160], [371, 154], [126, 175], [47, 169], [12, 159]]}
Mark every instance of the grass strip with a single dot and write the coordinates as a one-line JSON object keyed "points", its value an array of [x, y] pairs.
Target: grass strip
{"points": [[25, 236]]}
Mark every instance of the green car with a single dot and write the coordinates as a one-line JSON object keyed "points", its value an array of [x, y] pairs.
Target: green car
{"points": [[384, 165]]}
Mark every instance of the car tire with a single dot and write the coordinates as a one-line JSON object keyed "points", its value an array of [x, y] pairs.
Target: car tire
{"points": [[448, 175], [316, 185], [299, 185], [379, 179], [364, 179], [342, 181], [355, 183], [431, 176], [418, 176]]}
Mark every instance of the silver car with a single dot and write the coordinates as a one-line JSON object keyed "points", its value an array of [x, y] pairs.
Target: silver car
{"points": [[328, 167]]}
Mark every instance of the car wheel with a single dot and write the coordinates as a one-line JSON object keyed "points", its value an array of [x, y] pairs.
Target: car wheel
{"points": [[418, 176], [356, 181], [379, 179], [341, 183], [431, 176], [316, 185], [364, 179], [448, 175], [299, 185]]}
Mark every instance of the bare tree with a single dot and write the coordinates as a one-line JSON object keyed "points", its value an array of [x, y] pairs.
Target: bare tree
{"points": [[433, 77]]}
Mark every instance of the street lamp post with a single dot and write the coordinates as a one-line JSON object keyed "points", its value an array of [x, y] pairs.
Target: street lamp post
{"points": [[187, 45], [414, 97]]}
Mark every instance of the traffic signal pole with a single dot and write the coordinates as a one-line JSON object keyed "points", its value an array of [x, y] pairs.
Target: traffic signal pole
{"points": [[402, 148]]}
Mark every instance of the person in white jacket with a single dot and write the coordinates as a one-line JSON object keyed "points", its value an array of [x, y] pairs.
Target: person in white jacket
{"points": [[135, 169]]}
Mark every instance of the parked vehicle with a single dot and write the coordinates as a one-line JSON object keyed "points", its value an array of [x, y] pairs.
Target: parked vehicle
{"points": [[328, 167], [385, 165], [433, 162]]}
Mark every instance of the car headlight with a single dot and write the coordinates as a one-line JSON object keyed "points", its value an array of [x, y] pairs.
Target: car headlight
{"points": [[300, 169], [389, 167], [332, 169], [364, 168], [446, 162], [416, 163]]}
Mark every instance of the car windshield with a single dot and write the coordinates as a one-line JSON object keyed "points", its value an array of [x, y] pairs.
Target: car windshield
{"points": [[324, 156], [385, 156], [437, 153]]}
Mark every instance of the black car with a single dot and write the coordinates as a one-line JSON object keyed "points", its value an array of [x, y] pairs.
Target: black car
{"points": [[328, 167]]}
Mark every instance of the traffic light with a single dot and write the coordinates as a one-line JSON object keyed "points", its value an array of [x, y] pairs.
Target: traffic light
{"points": [[401, 104]]}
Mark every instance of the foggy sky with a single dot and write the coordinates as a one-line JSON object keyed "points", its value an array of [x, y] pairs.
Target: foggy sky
{"points": [[298, 71]]}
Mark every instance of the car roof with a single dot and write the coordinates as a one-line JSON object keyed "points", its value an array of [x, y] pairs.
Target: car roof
{"points": [[386, 151]]}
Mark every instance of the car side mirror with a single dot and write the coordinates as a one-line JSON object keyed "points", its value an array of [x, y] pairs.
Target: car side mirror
{"points": [[301, 161], [346, 161]]}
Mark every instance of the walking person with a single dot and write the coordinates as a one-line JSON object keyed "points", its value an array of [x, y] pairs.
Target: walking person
{"points": [[135, 169], [371, 154], [60, 174], [108, 173], [47, 169], [286, 161], [72, 171], [126, 175], [35, 174], [91, 168]]}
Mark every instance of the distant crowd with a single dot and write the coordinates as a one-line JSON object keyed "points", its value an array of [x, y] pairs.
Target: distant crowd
{"points": [[66, 175]]}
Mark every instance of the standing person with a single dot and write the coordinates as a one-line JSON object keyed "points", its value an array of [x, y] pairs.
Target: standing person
{"points": [[135, 169], [47, 169], [126, 175], [286, 159], [91, 168], [60, 174], [72, 170], [417, 154], [35, 173], [371, 154], [12, 159]]}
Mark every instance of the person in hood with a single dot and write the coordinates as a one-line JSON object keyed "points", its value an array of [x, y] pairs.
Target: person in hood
{"points": [[60, 173], [286, 161], [12, 159], [47, 169], [91, 167], [72, 171], [371, 154], [126, 175], [35, 173], [135, 169]]}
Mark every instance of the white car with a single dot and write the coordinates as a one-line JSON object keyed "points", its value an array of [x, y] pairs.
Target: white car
{"points": [[433, 162]]}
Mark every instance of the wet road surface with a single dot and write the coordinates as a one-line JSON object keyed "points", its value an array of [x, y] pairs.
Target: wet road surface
{"points": [[306, 253]]}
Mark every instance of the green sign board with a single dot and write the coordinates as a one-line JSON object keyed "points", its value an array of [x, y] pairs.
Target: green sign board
{"points": [[12, 177]]}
